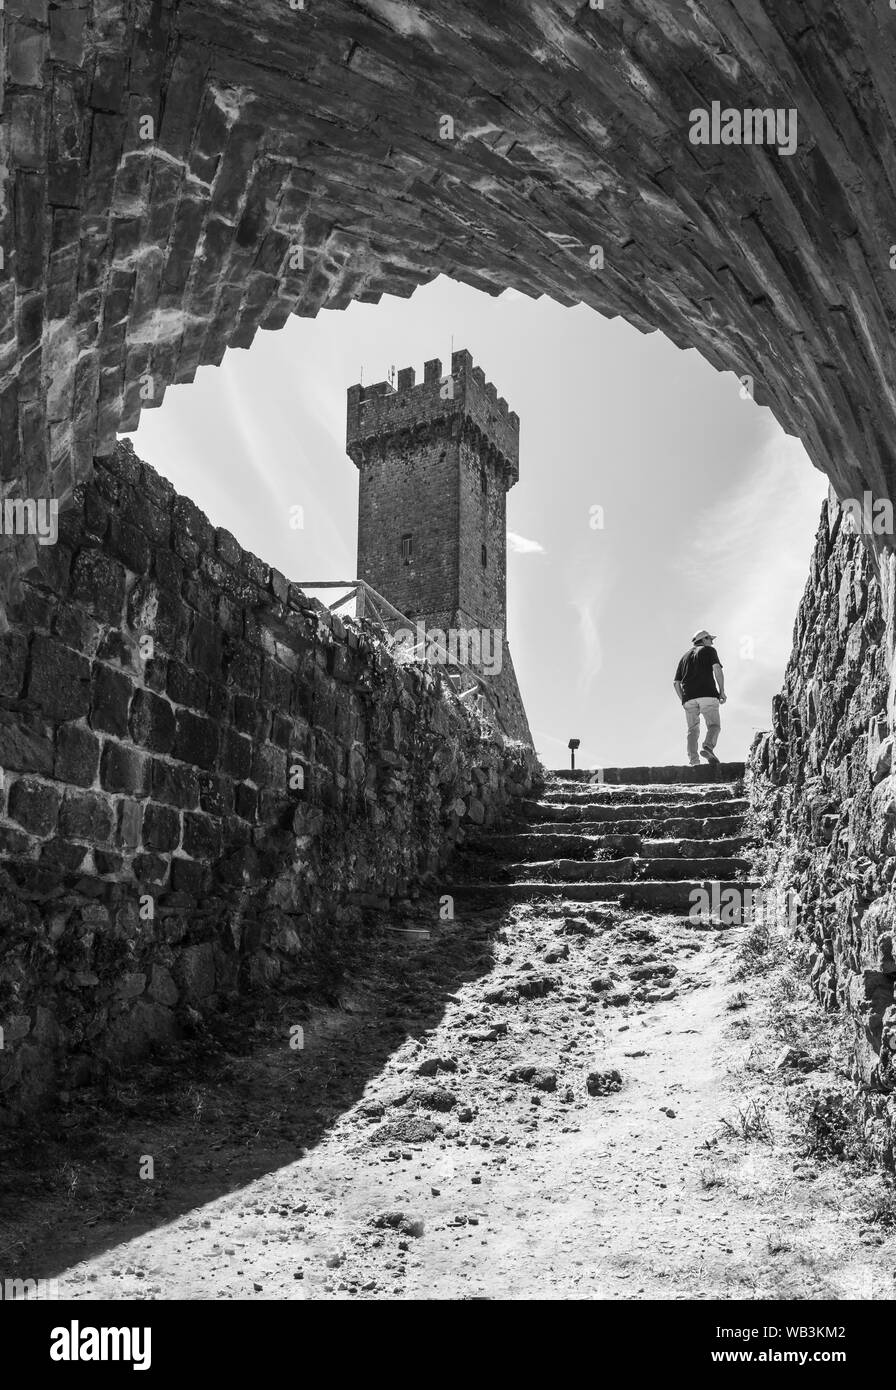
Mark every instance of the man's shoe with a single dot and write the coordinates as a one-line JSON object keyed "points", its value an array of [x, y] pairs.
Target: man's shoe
{"points": [[695, 763], [709, 755]]}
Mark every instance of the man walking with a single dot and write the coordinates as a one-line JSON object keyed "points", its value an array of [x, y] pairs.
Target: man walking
{"points": [[700, 686]]}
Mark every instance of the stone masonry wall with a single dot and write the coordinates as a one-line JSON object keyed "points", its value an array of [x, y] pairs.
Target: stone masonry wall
{"points": [[411, 490], [824, 793], [206, 779], [482, 590]]}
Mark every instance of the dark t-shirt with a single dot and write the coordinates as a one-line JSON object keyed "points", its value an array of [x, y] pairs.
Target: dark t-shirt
{"points": [[695, 673]]}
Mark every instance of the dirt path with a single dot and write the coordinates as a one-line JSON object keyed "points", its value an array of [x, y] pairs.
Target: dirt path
{"points": [[475, 1164]]}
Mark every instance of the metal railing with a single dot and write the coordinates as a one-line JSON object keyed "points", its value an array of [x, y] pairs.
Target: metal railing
{"points": [[468, 688]]}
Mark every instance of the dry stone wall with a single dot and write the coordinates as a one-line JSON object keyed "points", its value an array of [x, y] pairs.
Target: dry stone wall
{"points": [[823, 783], [206, 780]]}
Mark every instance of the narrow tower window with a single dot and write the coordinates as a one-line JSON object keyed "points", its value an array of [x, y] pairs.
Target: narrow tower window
{"points": [[483, 478], [407, 548], [484, 556]]}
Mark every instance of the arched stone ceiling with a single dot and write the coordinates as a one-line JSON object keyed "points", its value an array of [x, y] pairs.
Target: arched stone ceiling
{"points": [[162, 162]]}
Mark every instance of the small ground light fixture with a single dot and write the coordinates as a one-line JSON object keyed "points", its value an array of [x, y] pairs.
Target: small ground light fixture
{"points": [[573, 745]]}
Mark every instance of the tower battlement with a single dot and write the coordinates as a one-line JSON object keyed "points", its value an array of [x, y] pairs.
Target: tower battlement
{"points": [[441, 401]]}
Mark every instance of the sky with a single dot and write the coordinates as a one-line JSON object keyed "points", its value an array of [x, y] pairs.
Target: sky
{"points": [[653, 500]]}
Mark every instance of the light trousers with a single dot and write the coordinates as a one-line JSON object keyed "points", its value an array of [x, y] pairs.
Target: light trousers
{"points": [[708, 706]]}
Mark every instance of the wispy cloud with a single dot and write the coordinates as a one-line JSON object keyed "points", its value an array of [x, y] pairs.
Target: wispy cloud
{"points": [[519, 545], [589, 654], [754, 526]]}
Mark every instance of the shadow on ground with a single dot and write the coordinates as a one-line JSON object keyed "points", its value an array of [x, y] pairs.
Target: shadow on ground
{"points": [[233, 1104]]}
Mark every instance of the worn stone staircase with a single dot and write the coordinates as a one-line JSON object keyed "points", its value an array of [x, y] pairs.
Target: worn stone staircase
{"points": [[643, 837]]}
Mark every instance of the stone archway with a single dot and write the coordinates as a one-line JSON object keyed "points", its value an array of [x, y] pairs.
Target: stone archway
{"points": [[175, 177]]}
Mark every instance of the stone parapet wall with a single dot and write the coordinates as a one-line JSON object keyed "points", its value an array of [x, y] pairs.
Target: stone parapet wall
{"points": [[823, 786], [206, 780]]}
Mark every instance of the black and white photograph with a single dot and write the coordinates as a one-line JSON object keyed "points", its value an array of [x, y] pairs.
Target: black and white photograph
{"points": [[447, 675]]}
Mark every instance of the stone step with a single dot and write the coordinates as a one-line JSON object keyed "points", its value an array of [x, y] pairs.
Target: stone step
{"points": [[695, 848], [677, 828], [639, 796], [540, 812], [672, 896], [722, 772], [601, 870], [570, 844]]}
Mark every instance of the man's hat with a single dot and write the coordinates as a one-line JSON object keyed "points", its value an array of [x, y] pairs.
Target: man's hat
{"points": [[699, 636]]}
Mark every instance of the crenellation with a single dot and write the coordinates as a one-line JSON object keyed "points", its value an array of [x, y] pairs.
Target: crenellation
{"points": [[376, 412]]}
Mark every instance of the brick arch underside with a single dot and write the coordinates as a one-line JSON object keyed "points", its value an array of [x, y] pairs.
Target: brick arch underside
{"points": [[134, 253]]}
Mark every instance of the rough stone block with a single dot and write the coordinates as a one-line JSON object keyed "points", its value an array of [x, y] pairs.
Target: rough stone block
{"points": [[161, 828], [202, 837], [152, 722], [86, 816], [168, 570], [269, 768], [249, 716], [123, 769], [156, 612], [218, 703], [281, 730], [137, 509], [59, 680], [192, 532], [130, 821], [215, 794], [150, 871], [242, 669], [236, 754], [26, 56], [176, 785], [187, 876], [76, 629], [62, 855], [67, 35], [246, 802], [204, 648], [24, 747], [13, 656], [128, 544], [162, 987], [14, 844], [110, 700], [34, 805], [229, 548], [276, 686], [186, 687], [196, 740], [108, 862], [98, 581]]}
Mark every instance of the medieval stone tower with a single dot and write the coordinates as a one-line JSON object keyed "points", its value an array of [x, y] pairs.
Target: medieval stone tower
{"points": [[436, 461]]}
